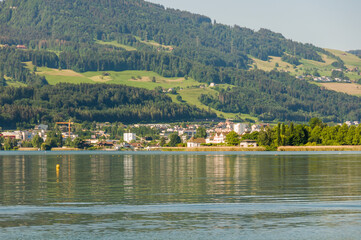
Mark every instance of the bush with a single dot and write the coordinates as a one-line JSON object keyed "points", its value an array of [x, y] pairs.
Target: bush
{"points": [[45, 147], [27, 144]]}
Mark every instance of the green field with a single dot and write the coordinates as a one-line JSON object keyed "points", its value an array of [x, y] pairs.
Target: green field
{"points": [[349, 59], [155, 44], [14, 84], [323, 68], [115, 44], [189, 89], [142, 79]]}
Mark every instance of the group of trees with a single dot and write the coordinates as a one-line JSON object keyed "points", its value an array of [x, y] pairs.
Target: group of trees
{"points": [[8, 144], [12, 67], [315, 133]]}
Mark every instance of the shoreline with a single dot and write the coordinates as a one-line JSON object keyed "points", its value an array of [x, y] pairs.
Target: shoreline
{"points": [[319, 148], [212, 149]]}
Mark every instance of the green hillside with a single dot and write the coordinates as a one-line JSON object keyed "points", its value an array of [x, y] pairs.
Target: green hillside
{"points": [[189, 89], [325, 67], [144, 45]]}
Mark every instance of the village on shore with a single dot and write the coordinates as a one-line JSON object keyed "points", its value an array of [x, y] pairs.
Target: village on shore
{"points": [[150, 136], [136, 137]]}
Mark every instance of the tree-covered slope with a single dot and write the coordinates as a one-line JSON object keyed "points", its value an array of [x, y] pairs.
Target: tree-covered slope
{"points": [[193, 36], [279, 96], [65, 34], [90, 102]]}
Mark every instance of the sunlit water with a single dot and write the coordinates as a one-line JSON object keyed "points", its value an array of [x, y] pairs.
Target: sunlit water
{"points": [[180, 196]]}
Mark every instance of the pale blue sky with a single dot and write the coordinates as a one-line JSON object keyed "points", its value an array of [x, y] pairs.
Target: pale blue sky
{"points": [[325, 23]]}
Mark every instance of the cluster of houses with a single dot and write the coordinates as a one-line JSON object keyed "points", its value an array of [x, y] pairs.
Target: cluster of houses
{"points": [[26, 135], [216, 134], [350, 123], [323, 79]]}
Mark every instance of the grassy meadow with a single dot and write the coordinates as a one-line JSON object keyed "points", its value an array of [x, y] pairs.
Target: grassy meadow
{"points": [[141, 79], [189, 89], [155, 44], [349, 88], [324, 68]]}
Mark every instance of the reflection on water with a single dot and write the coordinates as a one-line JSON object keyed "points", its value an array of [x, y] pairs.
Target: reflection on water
{"points": [[180, 196], [149, 179]]}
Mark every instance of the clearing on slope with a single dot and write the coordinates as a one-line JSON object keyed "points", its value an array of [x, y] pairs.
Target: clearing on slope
{"points": [[348, 88], [116, 44]]}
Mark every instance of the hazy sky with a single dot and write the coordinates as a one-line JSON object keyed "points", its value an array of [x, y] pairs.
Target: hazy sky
{"points": [[325, 23]]}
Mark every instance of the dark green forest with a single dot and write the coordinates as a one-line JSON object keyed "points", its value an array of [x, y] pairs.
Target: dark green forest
{"points": [[90, 102], [271, 97], [194, 36], [62, 34]]}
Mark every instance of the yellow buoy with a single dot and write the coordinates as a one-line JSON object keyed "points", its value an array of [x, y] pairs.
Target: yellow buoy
{"points": [[57, 172]]}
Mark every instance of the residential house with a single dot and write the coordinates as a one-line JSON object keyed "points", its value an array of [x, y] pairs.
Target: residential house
{"points": [[248, 143], [136, 145], [188, 132], [256, 128], [217, 138], [195, 142], [16, 134], [21, 47], [41, 127], [108, 144]]}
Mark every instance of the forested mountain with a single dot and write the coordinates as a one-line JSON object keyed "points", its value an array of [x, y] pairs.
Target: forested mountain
{"points": [[193, 36], [65, 34]]}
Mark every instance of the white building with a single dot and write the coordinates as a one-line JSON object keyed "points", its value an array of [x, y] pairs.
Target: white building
{"points": [[128, 137], [16, 134], [240, 128], [217, 138], [256, 128], [195, 142], [248, 143], [189, 132]]}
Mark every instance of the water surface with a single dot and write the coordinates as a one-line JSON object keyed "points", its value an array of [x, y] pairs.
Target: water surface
{"points": [[180, 196]]}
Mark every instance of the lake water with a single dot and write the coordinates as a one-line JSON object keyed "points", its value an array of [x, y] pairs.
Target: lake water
{"points": [[180, 196]]}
